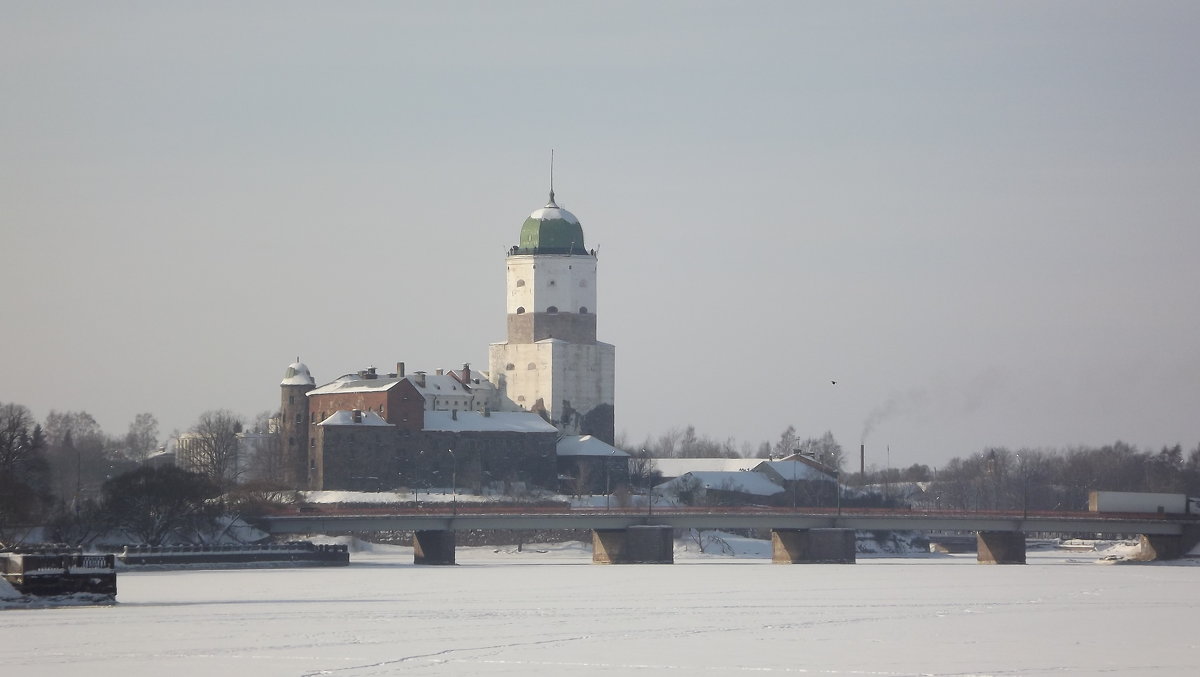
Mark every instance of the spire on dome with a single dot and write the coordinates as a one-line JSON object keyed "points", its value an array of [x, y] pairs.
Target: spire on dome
{"points": [[551, 203]]}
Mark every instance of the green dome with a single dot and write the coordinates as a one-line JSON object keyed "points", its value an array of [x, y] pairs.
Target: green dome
{"points": [[551, 230]]}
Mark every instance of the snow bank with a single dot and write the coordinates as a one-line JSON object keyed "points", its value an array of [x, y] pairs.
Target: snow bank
{"points": [[7, 591]]}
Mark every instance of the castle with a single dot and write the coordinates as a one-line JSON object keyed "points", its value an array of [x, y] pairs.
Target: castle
{"points": [[549, 386]]}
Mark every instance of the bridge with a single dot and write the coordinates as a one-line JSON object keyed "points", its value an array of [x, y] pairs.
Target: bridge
{"points": [[798, 536]]}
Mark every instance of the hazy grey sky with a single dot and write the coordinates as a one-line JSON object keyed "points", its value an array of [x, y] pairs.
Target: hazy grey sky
{"points": [[979, 218]]}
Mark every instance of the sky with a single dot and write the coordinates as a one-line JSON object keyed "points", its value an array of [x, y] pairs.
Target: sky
{"points": [[977, 218]]}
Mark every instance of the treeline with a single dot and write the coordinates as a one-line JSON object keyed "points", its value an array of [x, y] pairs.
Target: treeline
{"points": [[1041, 479], [687, 443], [996, 478], [56, 472]]}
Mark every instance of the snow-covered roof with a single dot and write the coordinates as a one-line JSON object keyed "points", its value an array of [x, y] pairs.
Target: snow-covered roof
{"points": [[355, 383], [344, 417], [552, 212], [434, 384], [796, 470], [498, 421], [674, 467], [438, 384], [586, 445], [753, 483], [297, 375]]}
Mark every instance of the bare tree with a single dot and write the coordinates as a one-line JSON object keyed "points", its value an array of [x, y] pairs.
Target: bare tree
{"points": [[159, 504], [80, 455], [24, 472], [142, 438], [824, 450], [266, 461], [211, 447], [787, 442]]}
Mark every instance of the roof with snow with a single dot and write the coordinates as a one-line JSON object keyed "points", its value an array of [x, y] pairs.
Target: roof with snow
{"points": [[674, 467], [551, 230], [586, 445], [366, 418], [752, 483], [357, 383], [796, 470], [498, 421], [297, 375], [426, 384]]}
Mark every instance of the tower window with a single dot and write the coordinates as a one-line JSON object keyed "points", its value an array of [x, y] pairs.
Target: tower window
{"points": [[510, 366], [552, 309], [583, 310], [299, 418], [520, 310], [520, 283], [551, 283], [531, 366]]}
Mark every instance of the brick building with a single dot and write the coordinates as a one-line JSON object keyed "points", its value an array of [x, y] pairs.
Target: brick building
{"points": [[368, 431]]}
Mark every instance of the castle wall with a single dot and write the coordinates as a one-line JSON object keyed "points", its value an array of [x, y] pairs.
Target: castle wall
{"points": [[374, 458]]}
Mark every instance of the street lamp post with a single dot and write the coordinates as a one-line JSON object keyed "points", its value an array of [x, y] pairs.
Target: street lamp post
{"points": [[453, 482], [607, 470], [837, 483], [1024, 488], [416, 478], [649, 492], [794, 485]]}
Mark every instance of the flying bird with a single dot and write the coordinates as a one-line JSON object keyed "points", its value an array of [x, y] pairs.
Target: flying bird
{"points": [[833, 382]]}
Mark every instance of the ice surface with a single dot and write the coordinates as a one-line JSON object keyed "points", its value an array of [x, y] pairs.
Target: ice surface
{"points": [[547, 610]]}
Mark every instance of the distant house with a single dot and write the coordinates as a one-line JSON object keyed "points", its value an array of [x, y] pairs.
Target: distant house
{"points": [[671, 468], [808, 482], [589, 465], [720, 487]]}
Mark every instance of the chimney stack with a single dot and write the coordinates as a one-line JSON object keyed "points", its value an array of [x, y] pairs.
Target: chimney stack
{"points": [[862, 460], [466, 373], [400, 369]]}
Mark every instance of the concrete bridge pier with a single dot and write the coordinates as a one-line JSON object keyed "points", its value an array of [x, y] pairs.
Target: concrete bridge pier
{"points": [[1161, 546], [812, 546], [1000, 547], [433, 547], [635, 545]]}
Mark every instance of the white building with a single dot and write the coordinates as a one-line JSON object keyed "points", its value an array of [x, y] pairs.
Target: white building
{"points": [[552, 362]]}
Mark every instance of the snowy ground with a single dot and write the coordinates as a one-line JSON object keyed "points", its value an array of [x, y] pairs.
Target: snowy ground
{"points": [[547, 610]]}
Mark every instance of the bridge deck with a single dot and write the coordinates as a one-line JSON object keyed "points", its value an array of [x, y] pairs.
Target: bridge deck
{"points": [[1077, 523]]}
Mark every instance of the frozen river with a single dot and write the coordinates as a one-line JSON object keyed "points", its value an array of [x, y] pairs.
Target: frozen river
{"points": [[555, 613]]}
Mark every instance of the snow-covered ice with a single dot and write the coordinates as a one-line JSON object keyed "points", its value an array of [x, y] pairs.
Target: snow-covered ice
{"points": [[548, 610]]}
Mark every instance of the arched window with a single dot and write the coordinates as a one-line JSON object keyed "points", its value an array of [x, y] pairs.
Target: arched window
{"points": [[552, 309], [583, 310], [510, 366], [520, 283], [520, 310], [531, 366]]}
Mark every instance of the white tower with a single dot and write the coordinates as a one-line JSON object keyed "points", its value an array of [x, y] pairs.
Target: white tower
{"points": [[552, 362]]}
